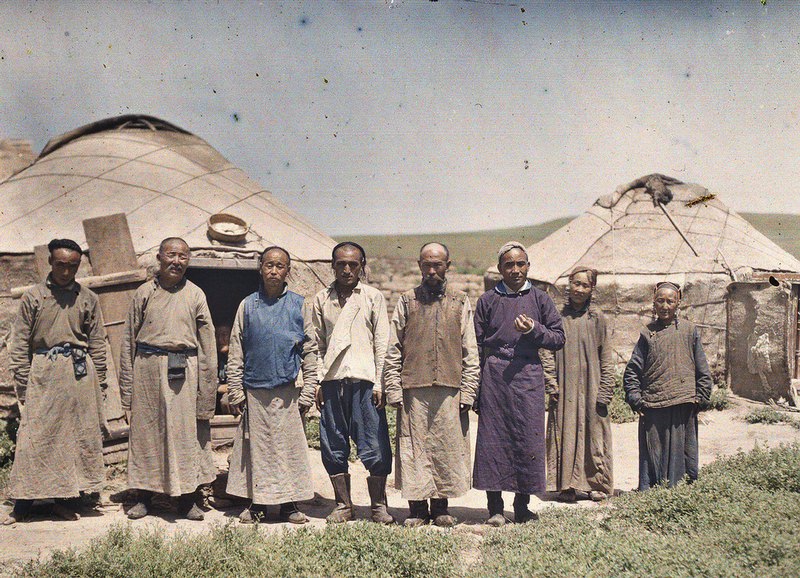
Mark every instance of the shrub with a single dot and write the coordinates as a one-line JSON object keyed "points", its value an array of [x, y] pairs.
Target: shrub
{"points": [[719, 399], [768, 415], [618, 409]]}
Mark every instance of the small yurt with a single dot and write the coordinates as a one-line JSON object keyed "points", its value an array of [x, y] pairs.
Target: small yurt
{"points": [[739, 287]]}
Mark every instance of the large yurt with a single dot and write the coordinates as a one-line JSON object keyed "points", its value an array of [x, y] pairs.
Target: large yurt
{"points": [[118, 187], [738, 287]]}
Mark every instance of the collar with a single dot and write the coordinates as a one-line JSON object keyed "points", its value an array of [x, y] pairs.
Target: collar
{"points": [[75, 287], [176, 287], [332, 289], [502, 289], [263, 295]]}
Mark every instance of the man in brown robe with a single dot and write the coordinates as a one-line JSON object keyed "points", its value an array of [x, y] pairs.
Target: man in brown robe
{"points": [[58, 359], [168, 384], [431, 375]]}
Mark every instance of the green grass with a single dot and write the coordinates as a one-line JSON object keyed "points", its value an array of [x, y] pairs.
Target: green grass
{"points": [[741, 518]]}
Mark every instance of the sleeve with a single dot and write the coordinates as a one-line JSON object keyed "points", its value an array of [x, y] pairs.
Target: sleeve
{"points": [[548, 359], [632, 379], [206, 361], [393, 366], [470, 361], [605, 391], [128, 350], [236, 359], [703, 380], [318, 335], [380, 321], [19, 349], [548, 332], [310, 360], [96, 332], [480, 328]]}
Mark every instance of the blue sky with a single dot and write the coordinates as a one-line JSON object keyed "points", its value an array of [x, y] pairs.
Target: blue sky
{"points": [[387, 117]]}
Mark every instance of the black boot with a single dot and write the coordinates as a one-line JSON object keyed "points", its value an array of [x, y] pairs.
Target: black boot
{"points": [[521, 512], [495, 504], [441, 517], [418, 514], [189, 509], [290, 513]]}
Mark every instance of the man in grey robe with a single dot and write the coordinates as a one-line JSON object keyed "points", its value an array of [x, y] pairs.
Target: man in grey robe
{"points": [[58, 359], [431, 375], [168, 384]]}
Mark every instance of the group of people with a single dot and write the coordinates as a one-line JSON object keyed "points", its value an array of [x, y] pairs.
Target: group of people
{"points": [[434, 362]]}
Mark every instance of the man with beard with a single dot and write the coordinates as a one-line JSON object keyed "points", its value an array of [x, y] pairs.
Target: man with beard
{"points": [[431, 376], [168, 384], [351, 329], [57, 356]]}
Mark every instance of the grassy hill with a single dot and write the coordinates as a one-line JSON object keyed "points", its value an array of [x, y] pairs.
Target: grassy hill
{"points": [[473, 251]]}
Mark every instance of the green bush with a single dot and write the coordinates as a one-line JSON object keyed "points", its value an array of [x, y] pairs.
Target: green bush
{"points": [[618, 409], [719, 399], [8, 439], [768, 415]]}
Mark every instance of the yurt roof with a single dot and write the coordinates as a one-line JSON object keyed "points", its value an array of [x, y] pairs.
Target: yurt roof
{"points": [[166, 180], [627, 233]]}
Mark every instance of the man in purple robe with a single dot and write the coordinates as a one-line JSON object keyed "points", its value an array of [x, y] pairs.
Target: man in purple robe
{"points": [[512, 321]]}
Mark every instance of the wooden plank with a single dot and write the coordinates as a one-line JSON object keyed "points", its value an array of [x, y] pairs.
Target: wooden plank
{"points": [[42, 256], [97, 281], [110, 244]]}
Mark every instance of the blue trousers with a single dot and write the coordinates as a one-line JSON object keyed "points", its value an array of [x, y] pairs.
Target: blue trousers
{"points": [[348, 413]]}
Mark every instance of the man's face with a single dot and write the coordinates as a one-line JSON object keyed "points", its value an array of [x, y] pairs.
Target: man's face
{"points": [[433, 264], [665, 303], [514, 269], [274, 269], [173, 261], [347, 266], [64, 265]]}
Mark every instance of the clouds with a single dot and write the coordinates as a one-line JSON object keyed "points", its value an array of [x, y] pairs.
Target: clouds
{"points": [[392, 117]]}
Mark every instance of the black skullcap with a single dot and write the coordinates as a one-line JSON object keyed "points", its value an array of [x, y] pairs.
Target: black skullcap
{"points": [[64, 244]]}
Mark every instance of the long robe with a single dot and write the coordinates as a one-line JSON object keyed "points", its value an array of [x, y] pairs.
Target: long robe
{"points": [[269, 461], [169, 450], [510, 447], [60, 442], [579, 449], [433, 448]]}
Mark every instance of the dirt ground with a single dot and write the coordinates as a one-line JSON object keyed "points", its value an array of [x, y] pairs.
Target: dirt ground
{"points": [[721, 433]]}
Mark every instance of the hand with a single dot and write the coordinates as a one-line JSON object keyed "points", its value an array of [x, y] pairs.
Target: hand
{"points": [[303, 409], [602, 409], [238, 408], [476, 407], [318, 398], [377, 399], [523, 323]]}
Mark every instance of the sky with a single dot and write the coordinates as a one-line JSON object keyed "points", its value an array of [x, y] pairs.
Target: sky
{"points": [[411, 117]]}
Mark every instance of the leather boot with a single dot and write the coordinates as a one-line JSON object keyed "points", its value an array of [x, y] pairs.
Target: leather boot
{"points": [[441, 517], [418, 514], [521, 512], [495, 504], [142, 507], [377, 495], [344, 505]]}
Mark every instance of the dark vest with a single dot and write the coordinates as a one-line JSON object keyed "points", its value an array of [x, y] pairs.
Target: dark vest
{"points": [[272, 339], [669, 370], [432, 339]]}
